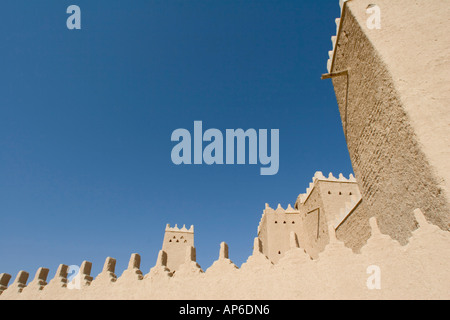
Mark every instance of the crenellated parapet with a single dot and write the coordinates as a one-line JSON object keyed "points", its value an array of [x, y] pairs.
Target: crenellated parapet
{"points": [[318, 176], [40, 280], [133, 272], [4, 280], [225, 280], [182, 229], [335, 38], [278, 211]]}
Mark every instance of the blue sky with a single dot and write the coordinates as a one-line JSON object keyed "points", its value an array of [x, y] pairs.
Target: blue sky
{"points": [[86, 118]]}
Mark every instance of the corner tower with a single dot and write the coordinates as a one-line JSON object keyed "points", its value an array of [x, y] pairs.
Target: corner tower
{"points": [[392, 86], [328, 200], [274, 230]]}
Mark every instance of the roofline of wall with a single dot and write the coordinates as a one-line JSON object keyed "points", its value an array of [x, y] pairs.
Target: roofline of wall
{"points": [[341, 22], [318, 176], [176, 229], [309, 194]]}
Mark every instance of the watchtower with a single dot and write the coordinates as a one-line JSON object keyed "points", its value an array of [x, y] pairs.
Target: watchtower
{"points": [[175, 242]]}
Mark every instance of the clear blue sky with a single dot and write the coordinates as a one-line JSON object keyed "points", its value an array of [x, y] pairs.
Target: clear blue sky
{"points": [[86, 118]]}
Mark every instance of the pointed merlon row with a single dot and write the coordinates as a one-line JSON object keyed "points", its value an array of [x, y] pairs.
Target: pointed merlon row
{"points": [[84, 278], [334, 39], [183, 229], [279, 210], [318, 176]]}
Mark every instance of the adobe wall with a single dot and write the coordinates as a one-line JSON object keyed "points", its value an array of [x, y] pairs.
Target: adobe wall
{"points": [[335, 195], [355, 231], [414, 42], [314, 223], [419, 270], [397, 120], [262, 232]]}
